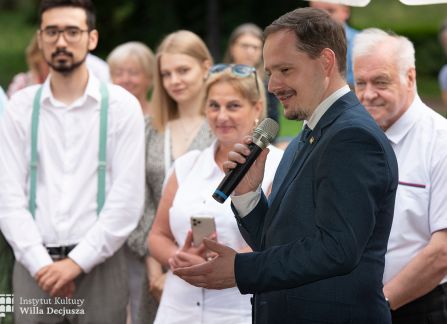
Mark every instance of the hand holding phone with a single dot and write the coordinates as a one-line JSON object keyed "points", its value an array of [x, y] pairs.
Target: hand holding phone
{"points": [[202, 226]]}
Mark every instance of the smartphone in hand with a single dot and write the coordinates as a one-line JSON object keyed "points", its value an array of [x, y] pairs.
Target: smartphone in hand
{"points": [[202, 226]]}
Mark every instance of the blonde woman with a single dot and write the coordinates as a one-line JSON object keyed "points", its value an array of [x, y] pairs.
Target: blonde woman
{"points": [[234, 104], [177, 126]]}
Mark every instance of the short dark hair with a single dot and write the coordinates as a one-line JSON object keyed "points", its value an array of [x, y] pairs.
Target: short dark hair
{"points": [[87, 5], [315, 30]]}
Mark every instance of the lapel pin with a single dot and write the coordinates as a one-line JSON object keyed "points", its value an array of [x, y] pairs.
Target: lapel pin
{"points": [[311, 140]]}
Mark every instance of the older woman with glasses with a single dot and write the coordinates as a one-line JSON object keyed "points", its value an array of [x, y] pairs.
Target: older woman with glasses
{"points": [[234, 103], [132, 66]]}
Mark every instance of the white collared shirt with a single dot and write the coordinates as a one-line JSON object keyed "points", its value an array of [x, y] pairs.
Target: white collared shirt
{"points": [[198, 175], [68, 145], [245, 203], [419, 140], [325, 105]]}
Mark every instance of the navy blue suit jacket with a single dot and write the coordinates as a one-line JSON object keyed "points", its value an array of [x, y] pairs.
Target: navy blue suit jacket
{"points": [[320, 240]]}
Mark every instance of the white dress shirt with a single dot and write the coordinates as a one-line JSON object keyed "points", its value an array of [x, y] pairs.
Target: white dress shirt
{"points": [[67, 181], [245, 203], [198, 176], [98, 67], [419, 139]]}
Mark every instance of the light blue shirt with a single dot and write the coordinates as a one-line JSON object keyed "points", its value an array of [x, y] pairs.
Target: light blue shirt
{"points": [[3, 101], [350, 35]]}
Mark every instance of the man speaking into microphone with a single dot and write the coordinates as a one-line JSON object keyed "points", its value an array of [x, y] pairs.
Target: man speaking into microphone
{"points": [[320, 239]]}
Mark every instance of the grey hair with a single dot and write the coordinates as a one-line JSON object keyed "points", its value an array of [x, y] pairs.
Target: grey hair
{"points": [[402, 48], [143, 54]]}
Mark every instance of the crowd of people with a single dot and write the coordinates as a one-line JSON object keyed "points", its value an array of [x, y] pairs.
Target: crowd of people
{"points": [[104, 164]]}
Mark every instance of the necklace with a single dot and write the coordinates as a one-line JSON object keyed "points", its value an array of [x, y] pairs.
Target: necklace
{"points": [[189, 131]]}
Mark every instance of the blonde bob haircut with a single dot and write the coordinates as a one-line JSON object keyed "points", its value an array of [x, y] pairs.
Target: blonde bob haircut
{"points": [[245, 86], [137, 50], [179, 42]]}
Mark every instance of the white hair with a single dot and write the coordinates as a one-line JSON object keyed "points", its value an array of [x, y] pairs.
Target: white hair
{"points": [[143, 54], [401, 48]]}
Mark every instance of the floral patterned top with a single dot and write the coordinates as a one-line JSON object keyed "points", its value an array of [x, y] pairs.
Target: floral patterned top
{"points": [[155, 176]]}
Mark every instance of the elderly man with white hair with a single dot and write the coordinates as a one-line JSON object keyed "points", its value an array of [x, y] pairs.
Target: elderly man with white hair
{"points": [[416, 261]]}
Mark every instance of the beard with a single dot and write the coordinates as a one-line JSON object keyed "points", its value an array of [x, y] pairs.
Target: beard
{"points": [[295, 115], [293, 111], [67, 65]]}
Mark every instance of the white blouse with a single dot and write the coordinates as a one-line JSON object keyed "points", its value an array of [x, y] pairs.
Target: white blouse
{"points": [[198, 176]]}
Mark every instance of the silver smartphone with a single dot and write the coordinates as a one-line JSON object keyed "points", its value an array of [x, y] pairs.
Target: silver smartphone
{"points": [[202, 226]]}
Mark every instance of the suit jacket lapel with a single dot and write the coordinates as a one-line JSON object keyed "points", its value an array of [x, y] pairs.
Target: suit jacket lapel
{"points": [[347, 101], [294, 169], [283, 167]]}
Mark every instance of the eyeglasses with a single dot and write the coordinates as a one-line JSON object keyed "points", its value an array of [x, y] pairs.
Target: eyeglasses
{"points": [[246, 46], [239, 70], [71, 34]]}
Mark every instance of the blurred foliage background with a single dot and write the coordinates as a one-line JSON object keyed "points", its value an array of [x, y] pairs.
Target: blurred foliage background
{"points": [[149, 20]]}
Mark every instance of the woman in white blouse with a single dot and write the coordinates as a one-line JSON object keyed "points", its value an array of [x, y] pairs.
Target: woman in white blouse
{"points": [[234, 103]]}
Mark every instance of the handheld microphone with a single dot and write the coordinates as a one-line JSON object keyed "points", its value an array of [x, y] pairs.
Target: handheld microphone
{"points": [[262, 136]]}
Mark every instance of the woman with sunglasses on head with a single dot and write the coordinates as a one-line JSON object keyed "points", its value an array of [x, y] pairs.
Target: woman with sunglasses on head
{"points": [[234, 103], [245, 47], [176, 126]]}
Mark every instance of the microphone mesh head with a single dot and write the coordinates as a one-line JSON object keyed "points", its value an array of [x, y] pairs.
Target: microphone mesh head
{"points": [[265, 132]]}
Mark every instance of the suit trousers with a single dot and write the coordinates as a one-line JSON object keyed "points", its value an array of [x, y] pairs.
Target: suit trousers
{"points": [[428, 309], [102, 295]]}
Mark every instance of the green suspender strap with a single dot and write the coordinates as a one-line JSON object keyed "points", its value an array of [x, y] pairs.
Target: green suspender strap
{"points": [[102, 149], [33, 163]]}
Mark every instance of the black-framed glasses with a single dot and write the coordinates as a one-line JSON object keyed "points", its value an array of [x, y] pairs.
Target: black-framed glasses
{"points": [[71, 34], [239, 70]]}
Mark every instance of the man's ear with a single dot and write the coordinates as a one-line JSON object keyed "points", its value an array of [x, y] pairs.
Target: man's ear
{"points": [[92, 39], [411, 78], [327, 59]]}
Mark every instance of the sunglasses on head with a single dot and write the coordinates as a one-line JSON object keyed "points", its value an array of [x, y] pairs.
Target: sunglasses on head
{"points": [[239, 70]]}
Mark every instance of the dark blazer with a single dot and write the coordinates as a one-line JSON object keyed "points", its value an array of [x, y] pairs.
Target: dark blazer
{"points": [[320, 240]]}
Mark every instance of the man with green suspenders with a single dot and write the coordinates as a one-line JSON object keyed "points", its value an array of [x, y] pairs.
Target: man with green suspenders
{"points": [[71, 180]]}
